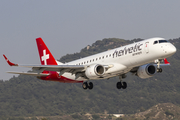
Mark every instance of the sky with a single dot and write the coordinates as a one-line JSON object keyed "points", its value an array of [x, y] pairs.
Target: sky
{"points": [[67, 26]]}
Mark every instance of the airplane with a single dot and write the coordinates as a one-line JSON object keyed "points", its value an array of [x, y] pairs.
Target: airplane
{"points": [[144, 59]]}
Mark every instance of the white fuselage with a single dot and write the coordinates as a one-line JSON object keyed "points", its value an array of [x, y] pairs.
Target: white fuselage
{"points": [[123, 59]]}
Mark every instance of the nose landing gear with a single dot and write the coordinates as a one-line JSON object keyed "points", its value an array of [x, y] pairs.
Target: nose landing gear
{"points": [[159, 70]]}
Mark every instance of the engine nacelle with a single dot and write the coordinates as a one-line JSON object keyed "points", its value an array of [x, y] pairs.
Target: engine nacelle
{"points": [[146, 71], [95, 71]]}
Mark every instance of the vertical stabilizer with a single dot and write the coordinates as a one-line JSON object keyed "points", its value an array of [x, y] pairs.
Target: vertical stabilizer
{"points": [[45, 55]]}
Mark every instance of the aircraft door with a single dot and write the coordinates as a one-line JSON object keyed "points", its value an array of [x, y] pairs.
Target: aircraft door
{"points": [[147, 47]]}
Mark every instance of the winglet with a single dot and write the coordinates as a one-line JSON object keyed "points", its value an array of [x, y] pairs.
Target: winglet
{"points": [[166, 62], [10, 63]]}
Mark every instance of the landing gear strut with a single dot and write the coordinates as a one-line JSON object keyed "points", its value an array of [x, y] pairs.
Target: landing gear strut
{"points": [[159, 70], [87, 85], [121, 84]]}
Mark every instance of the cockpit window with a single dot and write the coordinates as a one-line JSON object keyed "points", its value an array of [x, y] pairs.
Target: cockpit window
{"points": [[155, 42], [162, 41]]}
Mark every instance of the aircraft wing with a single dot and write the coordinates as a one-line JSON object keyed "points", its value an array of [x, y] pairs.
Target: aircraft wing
{"points": [[40, 68], [60, 68]]}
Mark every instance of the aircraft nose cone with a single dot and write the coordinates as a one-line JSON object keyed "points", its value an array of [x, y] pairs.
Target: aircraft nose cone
{"points": [[172, 49]]}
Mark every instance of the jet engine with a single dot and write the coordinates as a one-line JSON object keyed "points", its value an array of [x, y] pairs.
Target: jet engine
{"points": [[95, 71], [146, 71]]}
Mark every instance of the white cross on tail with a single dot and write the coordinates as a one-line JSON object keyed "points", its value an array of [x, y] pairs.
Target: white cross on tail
{"points": [[45, 57]]}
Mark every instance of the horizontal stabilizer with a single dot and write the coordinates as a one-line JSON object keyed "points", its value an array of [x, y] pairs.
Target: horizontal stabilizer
{"points": [[29, 73]]}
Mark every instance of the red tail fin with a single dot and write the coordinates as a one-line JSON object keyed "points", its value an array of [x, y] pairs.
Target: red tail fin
{"points": [[45, 55]]}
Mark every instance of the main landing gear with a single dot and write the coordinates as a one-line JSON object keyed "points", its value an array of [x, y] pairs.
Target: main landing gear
{"points": [[121, 84], [87, 85]]}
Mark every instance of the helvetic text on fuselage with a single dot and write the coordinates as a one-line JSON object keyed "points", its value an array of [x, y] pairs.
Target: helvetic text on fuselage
{"points": [[136, 48]]}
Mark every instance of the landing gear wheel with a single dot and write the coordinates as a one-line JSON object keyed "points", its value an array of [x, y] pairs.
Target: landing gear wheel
{"points": [[85, 85], [159, 70], [118, 85], [90, 85], [124, 85]]}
